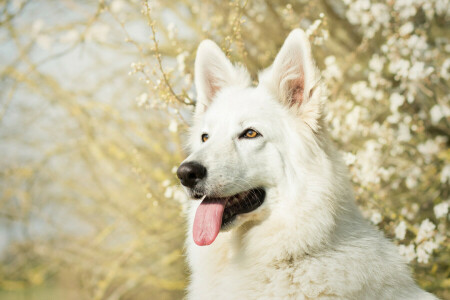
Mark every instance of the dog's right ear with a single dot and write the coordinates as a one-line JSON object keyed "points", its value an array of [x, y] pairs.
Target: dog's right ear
{"points": [[213, 72], [294, 79], [294, 70]]}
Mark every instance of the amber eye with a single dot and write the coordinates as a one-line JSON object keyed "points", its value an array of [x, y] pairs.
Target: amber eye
{"points": [[205, 137], [249, 134]]}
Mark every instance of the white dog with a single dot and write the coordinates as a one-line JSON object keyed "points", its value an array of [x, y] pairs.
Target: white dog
{"points": [[277, 219]]}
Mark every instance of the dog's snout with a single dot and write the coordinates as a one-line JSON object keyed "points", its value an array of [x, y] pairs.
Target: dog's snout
{"points": [[190, 173]]}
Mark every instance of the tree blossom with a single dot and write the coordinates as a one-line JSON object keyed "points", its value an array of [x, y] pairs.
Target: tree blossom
{"points": [[441, 209], [408, 252], [426, 230], [376, 218]]}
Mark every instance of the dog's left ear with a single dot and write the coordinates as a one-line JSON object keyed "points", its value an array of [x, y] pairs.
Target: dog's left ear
{"points": [[293, 72], [214, 72]]}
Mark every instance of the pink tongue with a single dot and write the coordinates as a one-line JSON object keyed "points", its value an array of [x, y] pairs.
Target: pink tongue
{"points": [[208, 220]]}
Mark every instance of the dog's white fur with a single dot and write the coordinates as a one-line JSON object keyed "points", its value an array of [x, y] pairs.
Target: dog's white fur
{"points": [[308, 240]]}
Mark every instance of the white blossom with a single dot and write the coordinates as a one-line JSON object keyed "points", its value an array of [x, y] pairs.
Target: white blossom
{"points": [[376, 218], [428, 149], [426, 230], [399, 67], [332, 69], [406, 28], [396, 101], [405, 8], [181, 61], [429, 246], [314, 26], [376, 63], [403, 133], [437, 112], [445, 174], [349, 158], [417, 71], [362, 91], [412, 177], [380, 13], [142, 99], [173, 126], [179, 195], [400, 230], [422, 255], [417, 43], [445, 69], [441, 209], [407, 252], [442, 7], [169, 192]]}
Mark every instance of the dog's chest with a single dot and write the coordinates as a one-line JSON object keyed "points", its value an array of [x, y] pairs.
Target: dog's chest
{"points": [[222, 276]]}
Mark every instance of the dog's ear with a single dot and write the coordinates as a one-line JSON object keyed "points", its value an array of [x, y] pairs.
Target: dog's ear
{"points": [[213, 72], [293, 72]]}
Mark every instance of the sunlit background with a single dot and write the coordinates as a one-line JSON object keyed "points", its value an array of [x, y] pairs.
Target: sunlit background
{"points": [[95, 102]]}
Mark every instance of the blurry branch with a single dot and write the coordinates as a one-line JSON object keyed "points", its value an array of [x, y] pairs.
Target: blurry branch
{"points": [[190, 20], [6, 16], [157, 55], [113, 271], [8, 100], [278, 20], [236, 36]]}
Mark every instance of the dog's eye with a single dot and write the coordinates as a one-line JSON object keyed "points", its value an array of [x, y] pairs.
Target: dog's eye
{"points": [[249, 134], [205, 137]]}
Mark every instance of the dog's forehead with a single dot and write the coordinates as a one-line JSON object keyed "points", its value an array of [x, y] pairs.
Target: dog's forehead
{"points": [[238, 105]]}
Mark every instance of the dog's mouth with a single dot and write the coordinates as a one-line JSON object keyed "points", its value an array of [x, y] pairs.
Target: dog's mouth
{"points": [[215, 213]]}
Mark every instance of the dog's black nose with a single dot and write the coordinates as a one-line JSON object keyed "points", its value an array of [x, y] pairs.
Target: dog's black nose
{"points": [[190, 173]]}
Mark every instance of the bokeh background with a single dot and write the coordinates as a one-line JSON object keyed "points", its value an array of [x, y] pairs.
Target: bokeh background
{"points": [[95, 102]]}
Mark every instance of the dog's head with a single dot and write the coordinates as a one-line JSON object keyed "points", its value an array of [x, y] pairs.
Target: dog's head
{"points": [[247, 143]]}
